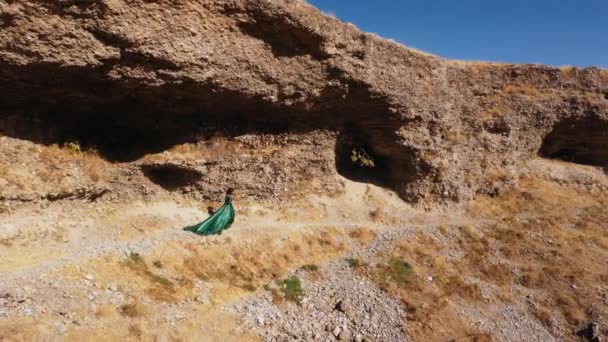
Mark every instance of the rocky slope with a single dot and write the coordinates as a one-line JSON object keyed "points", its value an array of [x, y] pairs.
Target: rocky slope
{"points": [[134, 77]]}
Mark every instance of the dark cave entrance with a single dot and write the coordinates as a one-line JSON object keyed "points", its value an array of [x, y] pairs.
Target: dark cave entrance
{"points": [[358, 160], [171, 177], [125, 138], [579, 140]]}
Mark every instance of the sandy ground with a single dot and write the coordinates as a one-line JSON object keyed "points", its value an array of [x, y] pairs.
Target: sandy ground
{"points": [[75, 270]]}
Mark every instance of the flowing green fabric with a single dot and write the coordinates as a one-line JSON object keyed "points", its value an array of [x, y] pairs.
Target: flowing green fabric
{"points": [[220, 220]]}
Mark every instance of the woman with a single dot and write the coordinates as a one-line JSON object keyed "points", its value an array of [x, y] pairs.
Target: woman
{"points": [[220, 220]]}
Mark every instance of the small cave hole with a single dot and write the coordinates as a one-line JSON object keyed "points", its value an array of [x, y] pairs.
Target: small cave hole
{"points": [[171, 177], [358, 161], [581, 141]]}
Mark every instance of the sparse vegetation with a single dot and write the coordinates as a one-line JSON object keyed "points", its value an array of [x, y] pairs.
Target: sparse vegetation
{"points": [[135, 330], [424, 300], [292, 289], [353, 262], [131, 310], [313, 271], [251, 268], [310, 268], [400, 270], [522, 90], [547, 251], [162, 288], [72, 146], [162, 280], [135, 259], [208, 148], [568, 70], [362, 235], [360, 157], [70, 155]]}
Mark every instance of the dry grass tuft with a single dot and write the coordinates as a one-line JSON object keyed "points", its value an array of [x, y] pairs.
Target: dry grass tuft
{"points": [[362, 235], [161, 289], [495, 110], [135, 331], [131, 310], [569, 71], [313, 271], [310, 268], [13, 175], [215, 148], [58, 158], [522, 90]]}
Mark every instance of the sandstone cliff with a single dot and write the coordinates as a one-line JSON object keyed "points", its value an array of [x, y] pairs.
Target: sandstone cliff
{"points": [[137, 77]]}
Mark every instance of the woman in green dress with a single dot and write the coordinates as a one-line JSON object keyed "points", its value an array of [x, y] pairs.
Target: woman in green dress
{"points": [[220, 220]]}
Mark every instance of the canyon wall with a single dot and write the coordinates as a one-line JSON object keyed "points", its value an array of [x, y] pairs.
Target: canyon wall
{"points": [[134, 77]]}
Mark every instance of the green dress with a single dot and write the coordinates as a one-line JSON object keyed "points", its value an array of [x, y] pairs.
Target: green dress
{"points": [[220, 220]]}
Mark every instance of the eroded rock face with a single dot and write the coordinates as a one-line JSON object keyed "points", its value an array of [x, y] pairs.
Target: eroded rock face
{"points": [[134, 77]]}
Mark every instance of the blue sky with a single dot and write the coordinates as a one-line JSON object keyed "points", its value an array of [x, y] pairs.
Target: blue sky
{"points": [[555, 32]]}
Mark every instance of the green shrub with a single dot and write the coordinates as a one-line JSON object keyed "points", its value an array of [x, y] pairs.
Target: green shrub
{"points": [[135, 261], [353, 262], [161, 280], [73, 146], [292, 289], [360, 157], [400, 270], [310, 268]]}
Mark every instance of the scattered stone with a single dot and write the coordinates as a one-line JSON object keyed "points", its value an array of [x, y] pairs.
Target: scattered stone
{"points": [[345, 335], [339, 306], [337, 331]]}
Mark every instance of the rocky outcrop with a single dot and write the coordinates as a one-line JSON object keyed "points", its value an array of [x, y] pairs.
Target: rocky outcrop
{"points": [[133, 77]]}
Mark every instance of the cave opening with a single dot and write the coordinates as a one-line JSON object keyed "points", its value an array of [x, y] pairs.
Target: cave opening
{"points": [[124, 138], [358, 160], [578, 140], [171, 177]]}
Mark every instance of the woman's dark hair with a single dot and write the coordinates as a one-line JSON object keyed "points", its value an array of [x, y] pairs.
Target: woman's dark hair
{"points": [[229, 191]]}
